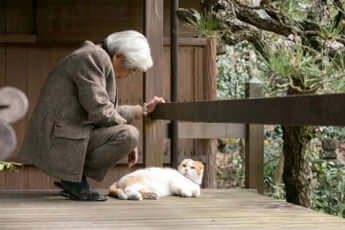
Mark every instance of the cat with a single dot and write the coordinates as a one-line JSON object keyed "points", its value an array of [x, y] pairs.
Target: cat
{"points": [[153, 183]]}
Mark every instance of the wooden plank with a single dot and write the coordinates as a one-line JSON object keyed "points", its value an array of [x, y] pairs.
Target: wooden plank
{"points": [[75, 20], [187, 41], [154, 130], [254, 147], [2, 66], [3, 17], [289, 110], [18, 38], [19, 17], [38, 69], [16, 76], [215, 209], [194, 130]]}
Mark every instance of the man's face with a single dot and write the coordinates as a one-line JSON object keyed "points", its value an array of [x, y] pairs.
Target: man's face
{"points": [[120, 71]]}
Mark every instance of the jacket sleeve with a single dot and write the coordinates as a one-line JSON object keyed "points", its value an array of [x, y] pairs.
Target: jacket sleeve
{"points": [[130, 112], [90, 79]]}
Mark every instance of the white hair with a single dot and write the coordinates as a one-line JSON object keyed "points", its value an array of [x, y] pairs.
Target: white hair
{"points": [[133, 46]]}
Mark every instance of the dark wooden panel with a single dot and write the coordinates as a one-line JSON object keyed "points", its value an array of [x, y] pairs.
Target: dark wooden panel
{"points": [[19, 16], [290, 110], [131, 93], [2, 67], [16, 76], [154, 130], [76, 20], [18, 38], [37, 72], [2, 16]]}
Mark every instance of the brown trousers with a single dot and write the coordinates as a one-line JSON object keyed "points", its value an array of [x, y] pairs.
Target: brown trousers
{"points": [[107, 146]]}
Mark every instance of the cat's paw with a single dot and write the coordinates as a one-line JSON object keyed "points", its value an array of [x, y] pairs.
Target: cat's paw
{"points": [[186, 194], [135, 196], [196, 193]]}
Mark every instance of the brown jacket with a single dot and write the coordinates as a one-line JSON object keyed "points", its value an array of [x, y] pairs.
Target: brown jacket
{"points": [[78, 95]]}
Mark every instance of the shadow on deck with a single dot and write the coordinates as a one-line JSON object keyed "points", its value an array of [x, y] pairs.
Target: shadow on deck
{"points": [[215, 209]]}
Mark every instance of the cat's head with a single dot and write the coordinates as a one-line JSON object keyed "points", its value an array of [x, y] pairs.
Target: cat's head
{"points": [[193, 170]]}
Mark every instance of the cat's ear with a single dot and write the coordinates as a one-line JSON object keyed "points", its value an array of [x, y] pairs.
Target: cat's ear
{"points": [[199, 164]]}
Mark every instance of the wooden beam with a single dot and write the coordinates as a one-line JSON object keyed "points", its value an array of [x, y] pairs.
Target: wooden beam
{"points": [[187, 41], [290, 110], [153, 130], [197, 130]]}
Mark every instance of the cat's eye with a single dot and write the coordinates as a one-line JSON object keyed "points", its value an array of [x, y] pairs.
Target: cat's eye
{"points": [[183, 165], [192, 167]]}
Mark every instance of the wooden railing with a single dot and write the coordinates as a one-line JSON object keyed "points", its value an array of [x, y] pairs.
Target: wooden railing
{"points": [[244, 118]]}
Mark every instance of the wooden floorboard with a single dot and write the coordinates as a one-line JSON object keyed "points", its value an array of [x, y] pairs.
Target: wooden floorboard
{"points": [[215, 209]]}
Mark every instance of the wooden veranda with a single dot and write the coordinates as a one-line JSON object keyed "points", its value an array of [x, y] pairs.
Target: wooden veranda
{"points": [[29, 50], [215, 209]]}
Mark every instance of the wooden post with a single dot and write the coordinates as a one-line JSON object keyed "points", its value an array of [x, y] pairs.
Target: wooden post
{"points": [[254, 148], [153, 130], [174, 79], [210, 93]]}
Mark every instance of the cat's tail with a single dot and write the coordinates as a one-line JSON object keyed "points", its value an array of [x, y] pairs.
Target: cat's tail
{"points": [[117, 192]]}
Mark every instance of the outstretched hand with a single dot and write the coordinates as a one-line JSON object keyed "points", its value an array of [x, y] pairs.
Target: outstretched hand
{"points": [[133, 157], [150, 106]]}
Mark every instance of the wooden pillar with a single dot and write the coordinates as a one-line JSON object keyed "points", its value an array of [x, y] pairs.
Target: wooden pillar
{"points": [[210, 93], [254, 148], [174, 79], [153, 130]]}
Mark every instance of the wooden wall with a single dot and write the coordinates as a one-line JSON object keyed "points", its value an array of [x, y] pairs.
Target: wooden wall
{"points": [[59, 26]]}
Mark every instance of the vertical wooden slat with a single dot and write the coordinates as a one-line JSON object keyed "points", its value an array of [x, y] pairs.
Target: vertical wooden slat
{"points": [[3, 16], [16, 76], [254, 148], [154, 130], [2, 67], [210, 93]]}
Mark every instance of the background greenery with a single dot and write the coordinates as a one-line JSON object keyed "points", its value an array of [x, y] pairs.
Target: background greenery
{"points": [[328, 175]]}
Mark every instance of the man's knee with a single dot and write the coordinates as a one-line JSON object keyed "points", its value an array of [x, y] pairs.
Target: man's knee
{"points": [[131, 136]]}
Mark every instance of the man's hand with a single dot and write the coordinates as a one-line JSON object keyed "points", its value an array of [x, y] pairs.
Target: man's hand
{"points": [[150, 106], [133, 157]]}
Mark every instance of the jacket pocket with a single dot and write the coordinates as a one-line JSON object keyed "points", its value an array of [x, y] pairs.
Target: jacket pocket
{"points": [[70, 130]]}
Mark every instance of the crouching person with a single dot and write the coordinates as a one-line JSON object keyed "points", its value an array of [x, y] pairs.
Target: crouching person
{"points": [[77, 129]]}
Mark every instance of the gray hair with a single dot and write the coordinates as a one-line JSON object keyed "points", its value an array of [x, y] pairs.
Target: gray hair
{"points": [[133, 46]]}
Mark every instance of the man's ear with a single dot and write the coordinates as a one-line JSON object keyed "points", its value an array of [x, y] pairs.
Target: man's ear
{"points": [[117, 57]]}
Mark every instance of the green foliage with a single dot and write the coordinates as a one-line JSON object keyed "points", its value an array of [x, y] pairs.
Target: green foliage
{"points": [[329, 193], [272, 149], [205, 25], [11, 166], [290, 64], [232, 71], [230, 171]]}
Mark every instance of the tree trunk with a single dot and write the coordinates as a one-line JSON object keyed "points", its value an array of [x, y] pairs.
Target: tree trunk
{"points": [[297, 172]]}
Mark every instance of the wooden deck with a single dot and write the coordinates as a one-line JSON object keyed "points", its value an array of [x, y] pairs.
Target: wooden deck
{"points": [[215, 209]]}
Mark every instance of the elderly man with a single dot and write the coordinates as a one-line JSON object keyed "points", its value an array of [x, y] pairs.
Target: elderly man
{"points": [[77, 129]]}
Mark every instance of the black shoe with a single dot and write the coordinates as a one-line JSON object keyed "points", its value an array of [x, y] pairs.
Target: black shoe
{"points": [[78, 191]]}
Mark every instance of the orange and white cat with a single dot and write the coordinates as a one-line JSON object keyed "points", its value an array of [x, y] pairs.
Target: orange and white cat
{"points": [[152, 183]]}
